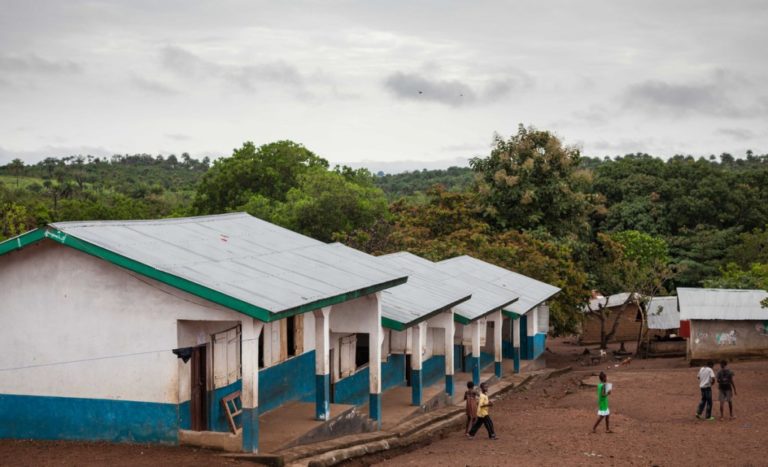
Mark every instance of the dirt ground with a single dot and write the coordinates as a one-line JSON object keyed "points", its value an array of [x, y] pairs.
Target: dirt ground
{"points": [[653, 407], [63, 453]]}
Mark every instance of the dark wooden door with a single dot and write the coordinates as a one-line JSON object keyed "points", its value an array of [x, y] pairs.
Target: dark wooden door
{"points": [[199, 403], [408, 376]]}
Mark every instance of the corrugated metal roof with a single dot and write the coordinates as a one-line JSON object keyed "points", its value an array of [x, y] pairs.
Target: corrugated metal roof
{"points": [[607, 302], [240, 256], [486, 297], [729, 304], [531, 291], [663, 313], [422, 296]]}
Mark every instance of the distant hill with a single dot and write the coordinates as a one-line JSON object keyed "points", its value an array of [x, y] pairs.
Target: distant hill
{"points": [[411, 183]]}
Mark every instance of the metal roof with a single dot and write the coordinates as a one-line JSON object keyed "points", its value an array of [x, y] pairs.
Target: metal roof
{"points": [[728, 304], [486, 297], [242, 257], [422, 296], [607, 302], [531, 291], [663, 313]]}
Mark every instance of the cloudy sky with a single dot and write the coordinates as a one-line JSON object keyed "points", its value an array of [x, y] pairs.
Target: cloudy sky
{"points": [[388, 84]]}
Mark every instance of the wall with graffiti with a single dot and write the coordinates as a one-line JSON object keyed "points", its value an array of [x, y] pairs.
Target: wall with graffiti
{"points": [[716, 339]]}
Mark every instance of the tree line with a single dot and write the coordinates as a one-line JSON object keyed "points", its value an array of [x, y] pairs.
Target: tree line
{"points": [[533, 205]]}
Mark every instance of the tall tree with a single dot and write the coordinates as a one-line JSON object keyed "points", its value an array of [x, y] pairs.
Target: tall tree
{"points": [[270, 170], [532, 181]]}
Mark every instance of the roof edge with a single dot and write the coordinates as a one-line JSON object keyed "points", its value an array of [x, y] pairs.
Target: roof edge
{"points": [[399, 326], [20, 241], [180, 283]]}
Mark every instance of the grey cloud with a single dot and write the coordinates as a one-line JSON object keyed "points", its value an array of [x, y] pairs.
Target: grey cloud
{"points": [[153, 87], [247, 77], [424, 88], [411, 86], [736, 133], [718, 96], [33, 64]]}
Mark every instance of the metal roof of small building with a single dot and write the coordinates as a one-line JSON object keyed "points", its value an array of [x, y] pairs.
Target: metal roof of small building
{"points": [[531, 291], [254, 262], [725, 304], [663, 313], [486, 297], [421, 297], [611, 301]]}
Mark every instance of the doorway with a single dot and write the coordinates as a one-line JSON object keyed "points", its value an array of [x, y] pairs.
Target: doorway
{"points": [[199, 390]]}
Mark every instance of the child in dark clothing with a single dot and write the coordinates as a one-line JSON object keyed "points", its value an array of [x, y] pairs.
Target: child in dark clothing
{"points": [[470, 396], [726, 388]]}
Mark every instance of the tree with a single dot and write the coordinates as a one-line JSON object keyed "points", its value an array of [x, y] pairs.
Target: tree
{"points": [[15, 221], [16, 167], [531, 182], [270, 170], [632, 262], [448, 224], [324, 205]]}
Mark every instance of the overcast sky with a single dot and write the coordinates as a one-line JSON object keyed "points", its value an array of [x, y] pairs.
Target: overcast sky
{"points": [[387, 84]]}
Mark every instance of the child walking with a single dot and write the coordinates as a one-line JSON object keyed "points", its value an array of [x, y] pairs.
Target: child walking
{"points": [[483, 417], [470, 397], [603, 412]]}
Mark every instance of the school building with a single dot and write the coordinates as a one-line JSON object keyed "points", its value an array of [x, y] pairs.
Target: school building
{"points": [[525, 322], [151, 331], [723, 323], [135, 330]]}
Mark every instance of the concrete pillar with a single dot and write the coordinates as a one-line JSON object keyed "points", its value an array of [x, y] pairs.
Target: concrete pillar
{"points": [[249, 395], [476, 350], [417, 342], [532, 324], [376, 339], [450, 330], [516, 343], [322, 364], [498, 319]]}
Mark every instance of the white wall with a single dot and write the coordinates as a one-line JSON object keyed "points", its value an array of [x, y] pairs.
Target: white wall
{"points": [[59, 305]]}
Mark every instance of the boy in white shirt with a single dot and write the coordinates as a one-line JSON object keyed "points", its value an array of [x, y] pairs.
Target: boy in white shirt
{"points": [[706, 377]]}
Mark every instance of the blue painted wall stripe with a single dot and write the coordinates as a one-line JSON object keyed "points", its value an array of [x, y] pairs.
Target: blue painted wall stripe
{"points": [[291, 380], [42, 417], [217, 421], [354, 389], [476, 370], [374, 408], [322, 396], [433, 370], [250, 419], [449, 385], [416, 387]]}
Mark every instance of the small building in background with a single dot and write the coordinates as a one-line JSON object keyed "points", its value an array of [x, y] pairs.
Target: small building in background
{"points": [[626, 307], [723, 323], [663, 336]]}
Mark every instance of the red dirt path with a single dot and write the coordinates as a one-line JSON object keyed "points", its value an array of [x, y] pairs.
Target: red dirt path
{"points": [[652, 408], [549, 424]]}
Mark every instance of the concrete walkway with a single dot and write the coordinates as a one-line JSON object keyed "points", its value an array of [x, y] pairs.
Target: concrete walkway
{"points": [[279, 427]]}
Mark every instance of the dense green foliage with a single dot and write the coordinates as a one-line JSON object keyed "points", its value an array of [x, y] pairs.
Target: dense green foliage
{"points": [[418, 182], [633, 223]]}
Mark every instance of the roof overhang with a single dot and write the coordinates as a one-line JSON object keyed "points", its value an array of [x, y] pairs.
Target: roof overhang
{"points": [[400, 326], [461, 319], [207, 293]]}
